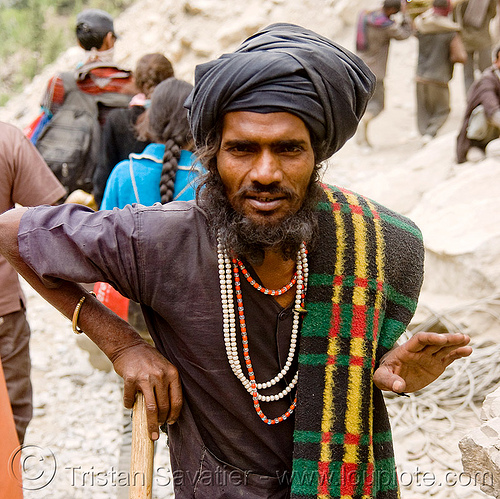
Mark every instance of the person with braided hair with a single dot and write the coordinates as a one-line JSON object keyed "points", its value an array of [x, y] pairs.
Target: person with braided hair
{"points": [[165, 171], [119, 137]]}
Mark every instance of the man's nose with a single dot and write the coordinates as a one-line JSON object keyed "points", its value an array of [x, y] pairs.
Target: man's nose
{"points": [[266, 168]]}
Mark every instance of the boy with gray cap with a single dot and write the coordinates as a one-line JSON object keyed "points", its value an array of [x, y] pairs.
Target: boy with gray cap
{"points": [[95, 30], [78, 103], [98, 75]]}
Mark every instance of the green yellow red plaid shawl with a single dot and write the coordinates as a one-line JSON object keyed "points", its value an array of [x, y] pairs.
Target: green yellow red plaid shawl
{"points": [[364, 279]]}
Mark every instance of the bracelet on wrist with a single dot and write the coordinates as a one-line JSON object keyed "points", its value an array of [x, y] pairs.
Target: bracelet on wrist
{"points": [[76, 314]]}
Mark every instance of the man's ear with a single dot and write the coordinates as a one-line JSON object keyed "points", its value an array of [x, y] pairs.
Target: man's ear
{"points": [[108, 42]]}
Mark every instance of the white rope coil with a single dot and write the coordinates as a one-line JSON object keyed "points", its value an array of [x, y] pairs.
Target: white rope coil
{"points": [[462, 387]]}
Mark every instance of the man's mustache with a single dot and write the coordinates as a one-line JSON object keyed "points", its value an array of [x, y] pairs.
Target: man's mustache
{"points": [[271, 189]]}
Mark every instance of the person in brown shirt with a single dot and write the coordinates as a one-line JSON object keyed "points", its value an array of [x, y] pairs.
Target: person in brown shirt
{"points": [[25, 179]]}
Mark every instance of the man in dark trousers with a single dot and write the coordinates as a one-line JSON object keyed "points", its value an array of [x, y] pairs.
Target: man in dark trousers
{"points": [[274, 301], [440, 47]]}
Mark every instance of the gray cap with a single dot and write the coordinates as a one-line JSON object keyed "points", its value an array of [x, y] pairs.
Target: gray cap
{"points": [[96, 21]]}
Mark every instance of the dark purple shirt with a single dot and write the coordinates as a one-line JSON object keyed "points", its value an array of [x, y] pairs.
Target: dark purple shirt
{"points": [[162, 257]]}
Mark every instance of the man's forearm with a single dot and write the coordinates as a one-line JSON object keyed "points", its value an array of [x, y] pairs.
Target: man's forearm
{"points": [[141, 366]]}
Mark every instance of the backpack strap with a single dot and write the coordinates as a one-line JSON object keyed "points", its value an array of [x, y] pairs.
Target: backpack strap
{"points": [[84, 70], [69, 81], [132, 178], [73, 96], [113, 99]]}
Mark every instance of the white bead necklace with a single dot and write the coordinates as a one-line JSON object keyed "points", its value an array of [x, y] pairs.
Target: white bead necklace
{"points": [[227, 268]]}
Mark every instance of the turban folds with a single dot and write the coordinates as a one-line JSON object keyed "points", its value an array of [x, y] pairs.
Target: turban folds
{"points": [[285, 68]]}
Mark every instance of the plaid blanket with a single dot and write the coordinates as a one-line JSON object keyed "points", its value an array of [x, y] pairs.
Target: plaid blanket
{"points": [[364, 278]]}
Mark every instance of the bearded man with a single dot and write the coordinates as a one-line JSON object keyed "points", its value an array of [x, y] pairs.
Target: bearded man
{"points": [[274, 301]]}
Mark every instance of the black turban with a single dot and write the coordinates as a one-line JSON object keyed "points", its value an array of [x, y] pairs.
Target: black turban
{"points": [[288, 68]]}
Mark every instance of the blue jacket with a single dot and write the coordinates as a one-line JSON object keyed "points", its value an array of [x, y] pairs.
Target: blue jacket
{"points": [[146, 170]]}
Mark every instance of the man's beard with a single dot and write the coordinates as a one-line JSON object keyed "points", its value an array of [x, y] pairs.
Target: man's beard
{"points": [[249, 239]]}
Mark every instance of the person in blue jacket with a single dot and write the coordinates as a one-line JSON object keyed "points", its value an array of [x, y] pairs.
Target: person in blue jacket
{"points": [[166, 170]]}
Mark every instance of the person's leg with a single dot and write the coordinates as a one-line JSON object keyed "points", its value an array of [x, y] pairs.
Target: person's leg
{"points": [[373, 109], [439, 107], [484, 58], [423, 114], [15, 355]]}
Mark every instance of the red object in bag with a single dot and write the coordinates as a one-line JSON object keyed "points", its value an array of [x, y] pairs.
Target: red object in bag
{"points": [[108, 296], [30, 129]]}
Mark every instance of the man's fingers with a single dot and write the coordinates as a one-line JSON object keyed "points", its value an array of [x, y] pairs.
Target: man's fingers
{"points": [[145, 370], [433, 342], [175, 393], [450, 352], [129, 394], [163, 405], [444, 352], [169, 399], [457, 353], [464, 351], [385, 379], [151, 412], [398, 385], [425, 340]]}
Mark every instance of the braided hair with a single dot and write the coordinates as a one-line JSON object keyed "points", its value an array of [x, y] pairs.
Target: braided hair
{"points": [[168, 124]]}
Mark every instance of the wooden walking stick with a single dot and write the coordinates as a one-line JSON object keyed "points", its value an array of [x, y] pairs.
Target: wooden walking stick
{"points": [[141, 464]]}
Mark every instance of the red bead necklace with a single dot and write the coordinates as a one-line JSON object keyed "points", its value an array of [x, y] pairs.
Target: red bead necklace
{"points": [[246, 356], [262, 289]]}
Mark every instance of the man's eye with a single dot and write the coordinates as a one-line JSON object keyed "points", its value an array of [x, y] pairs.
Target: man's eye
{"points": [[240, 148], [291, 149]]}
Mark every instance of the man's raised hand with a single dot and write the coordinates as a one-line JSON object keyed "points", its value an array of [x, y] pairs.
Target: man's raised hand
{"points": [[420, 361]]}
